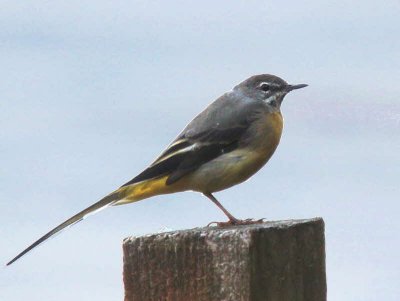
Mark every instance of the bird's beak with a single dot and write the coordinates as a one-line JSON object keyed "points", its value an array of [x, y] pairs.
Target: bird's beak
{"points": [[294, 87]]}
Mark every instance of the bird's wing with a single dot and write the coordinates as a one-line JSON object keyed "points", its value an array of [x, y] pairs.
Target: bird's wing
{"points": [[187, 154], [213, 132]]}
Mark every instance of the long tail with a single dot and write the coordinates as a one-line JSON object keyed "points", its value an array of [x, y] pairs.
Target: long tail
{"points": [[124, 195], [103, 203]]}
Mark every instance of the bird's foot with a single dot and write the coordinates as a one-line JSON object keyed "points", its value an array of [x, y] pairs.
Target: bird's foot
{"points": [[237, 222]]}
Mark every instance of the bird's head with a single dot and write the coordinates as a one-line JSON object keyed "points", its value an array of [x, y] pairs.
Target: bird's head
{"points": [[268, 88]]}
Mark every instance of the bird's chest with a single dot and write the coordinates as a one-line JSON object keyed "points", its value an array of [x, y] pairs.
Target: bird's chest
{"points": [[263, 141], [240, 164]]}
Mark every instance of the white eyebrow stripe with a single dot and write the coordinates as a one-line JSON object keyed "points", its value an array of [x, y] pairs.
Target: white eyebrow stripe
{"points": [[269, 84]]}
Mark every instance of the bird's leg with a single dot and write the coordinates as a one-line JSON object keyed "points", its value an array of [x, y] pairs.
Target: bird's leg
{"points": [[232, 220]]}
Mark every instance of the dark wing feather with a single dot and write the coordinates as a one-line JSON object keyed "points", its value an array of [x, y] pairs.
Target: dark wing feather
{"points": [[158, 170]]}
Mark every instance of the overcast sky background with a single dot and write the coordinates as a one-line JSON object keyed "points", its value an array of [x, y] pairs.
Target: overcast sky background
{"points": [[92, 91]]}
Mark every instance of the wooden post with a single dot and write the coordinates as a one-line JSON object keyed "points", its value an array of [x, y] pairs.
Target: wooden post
{"points": [[275, 261]]}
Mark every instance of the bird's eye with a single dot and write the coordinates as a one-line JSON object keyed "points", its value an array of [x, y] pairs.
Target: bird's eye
{"points": [[265, 87]]}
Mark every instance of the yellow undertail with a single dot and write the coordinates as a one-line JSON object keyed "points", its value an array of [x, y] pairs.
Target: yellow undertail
{"points": [[147, 189]]}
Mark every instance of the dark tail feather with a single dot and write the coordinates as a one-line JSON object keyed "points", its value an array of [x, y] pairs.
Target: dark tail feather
{"points": [[103, 203]]}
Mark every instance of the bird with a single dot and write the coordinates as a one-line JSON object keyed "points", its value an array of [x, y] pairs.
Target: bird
{"points": [[224, 145]]}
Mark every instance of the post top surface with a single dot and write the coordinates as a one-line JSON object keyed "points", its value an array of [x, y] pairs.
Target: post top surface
{"points": [[241, 229]]}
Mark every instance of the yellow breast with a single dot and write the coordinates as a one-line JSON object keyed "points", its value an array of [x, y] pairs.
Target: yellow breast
{"points": [[275, 121], [268, 133]]}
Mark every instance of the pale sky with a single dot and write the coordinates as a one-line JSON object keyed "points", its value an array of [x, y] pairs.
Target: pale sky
{"points": [[91, 92]]}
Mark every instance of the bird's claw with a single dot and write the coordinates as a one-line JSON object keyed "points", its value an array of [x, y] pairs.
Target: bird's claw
{"points": [[237, 222]]}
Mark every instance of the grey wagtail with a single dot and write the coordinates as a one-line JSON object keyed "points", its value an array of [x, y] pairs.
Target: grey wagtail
{"points": [[222, 146]]}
